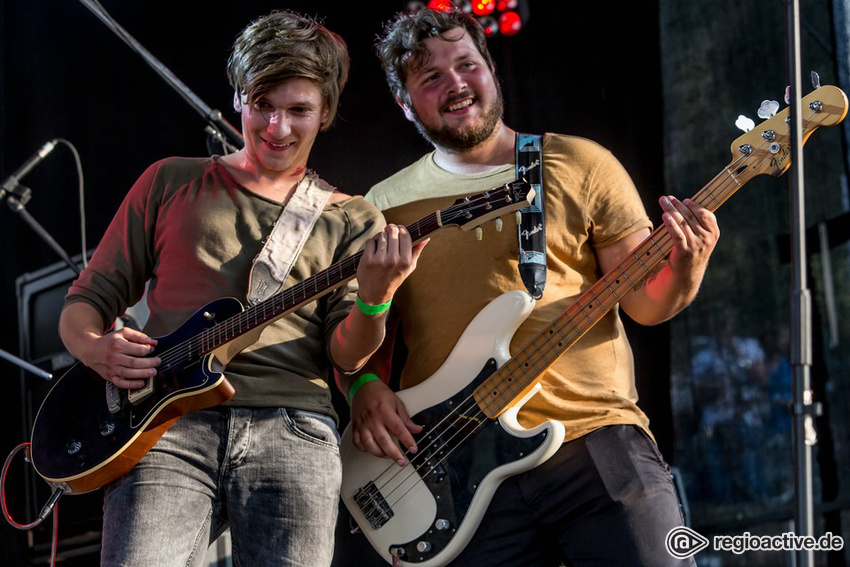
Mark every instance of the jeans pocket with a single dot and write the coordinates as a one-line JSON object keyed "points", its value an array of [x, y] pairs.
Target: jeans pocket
{"points": [[314, 427]]}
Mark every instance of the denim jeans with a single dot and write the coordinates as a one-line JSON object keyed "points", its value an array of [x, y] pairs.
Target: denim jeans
{"points": [[271, 475]]}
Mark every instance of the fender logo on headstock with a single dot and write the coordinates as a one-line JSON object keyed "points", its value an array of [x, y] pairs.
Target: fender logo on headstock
{"points": [[779, 161]]}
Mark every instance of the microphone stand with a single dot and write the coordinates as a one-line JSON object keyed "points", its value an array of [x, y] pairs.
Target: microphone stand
{"points": [[17, 200], [17, 203], [218, 128], [26, 365], [804, 408]]}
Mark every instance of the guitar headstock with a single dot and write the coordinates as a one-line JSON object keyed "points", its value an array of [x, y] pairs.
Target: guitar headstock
{"points": [[767, 147], [470, 212]]}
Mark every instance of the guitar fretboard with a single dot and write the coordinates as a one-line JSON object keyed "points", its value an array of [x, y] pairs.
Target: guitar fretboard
{"points": [[764, 155]]}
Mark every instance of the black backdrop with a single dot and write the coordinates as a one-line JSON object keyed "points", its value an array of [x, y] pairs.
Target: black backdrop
{"points": [[575, 68]]}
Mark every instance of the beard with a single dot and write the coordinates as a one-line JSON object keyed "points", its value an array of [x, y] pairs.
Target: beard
{"points": [[463, 139]]}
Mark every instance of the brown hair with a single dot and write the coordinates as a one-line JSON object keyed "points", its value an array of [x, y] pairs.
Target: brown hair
{"points": [[284, 45], [403, 41]]}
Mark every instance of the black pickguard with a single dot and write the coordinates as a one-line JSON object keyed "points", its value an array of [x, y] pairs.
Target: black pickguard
{"points": [[454, 457]]}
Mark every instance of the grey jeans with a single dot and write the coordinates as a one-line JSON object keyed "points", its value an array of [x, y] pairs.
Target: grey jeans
{"points": [[270, 474]]}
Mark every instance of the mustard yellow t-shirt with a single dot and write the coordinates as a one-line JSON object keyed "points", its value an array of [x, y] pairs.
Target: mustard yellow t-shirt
{"points": [[590, 203]]}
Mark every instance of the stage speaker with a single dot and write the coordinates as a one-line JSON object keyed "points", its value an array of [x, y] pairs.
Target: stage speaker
{"points": [[40, 296]]}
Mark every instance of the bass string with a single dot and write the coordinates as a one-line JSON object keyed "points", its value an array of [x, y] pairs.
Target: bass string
{"points": [[479, 416]]}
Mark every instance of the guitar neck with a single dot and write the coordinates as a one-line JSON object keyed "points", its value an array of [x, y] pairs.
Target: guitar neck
{"points": [[520, 373], [465, 213], [299, 294]]}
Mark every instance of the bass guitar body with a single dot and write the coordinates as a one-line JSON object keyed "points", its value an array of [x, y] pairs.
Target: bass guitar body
{"points": [[426, 512], [88, 433]]}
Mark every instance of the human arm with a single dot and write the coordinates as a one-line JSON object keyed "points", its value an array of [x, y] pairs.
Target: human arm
{"points": [[119, 357], [664, 293], [113, 279], [377, 414], [388, 258]]}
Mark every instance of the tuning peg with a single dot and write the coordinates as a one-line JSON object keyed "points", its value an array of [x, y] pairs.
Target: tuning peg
{"points": [[788, 95], [744, 123], [815, 80], [768, 109], [479, 234], [518, 217], [499, 224]]}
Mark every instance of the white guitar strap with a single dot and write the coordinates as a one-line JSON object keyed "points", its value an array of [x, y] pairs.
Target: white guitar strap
{"points": [[287, 238]]}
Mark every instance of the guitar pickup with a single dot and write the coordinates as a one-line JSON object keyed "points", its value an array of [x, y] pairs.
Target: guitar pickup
{"points": [[373, 505], [138, 395]]}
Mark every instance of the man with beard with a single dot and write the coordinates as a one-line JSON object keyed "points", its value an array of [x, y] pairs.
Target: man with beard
{"points": [[606, 496]]}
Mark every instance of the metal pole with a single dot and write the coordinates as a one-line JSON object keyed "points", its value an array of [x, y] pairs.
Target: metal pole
{"points": [[801, 332], [223, 131]]}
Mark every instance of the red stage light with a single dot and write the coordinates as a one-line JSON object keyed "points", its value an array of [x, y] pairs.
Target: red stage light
{"points": [[505, 5], [440, 5], [483, 7], [509, 23], [497, 17]]}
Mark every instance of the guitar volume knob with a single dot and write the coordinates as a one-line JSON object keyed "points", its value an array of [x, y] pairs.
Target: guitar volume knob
{"points": [[73, 447], [107, 428]]}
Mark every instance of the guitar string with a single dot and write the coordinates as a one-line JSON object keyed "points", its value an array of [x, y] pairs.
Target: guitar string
{"points": [[461, 413], [233, 325], [608, 285], [730, 181], [464, 415], [196, 347]]}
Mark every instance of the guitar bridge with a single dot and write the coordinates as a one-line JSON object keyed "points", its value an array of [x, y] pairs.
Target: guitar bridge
{"points": [[373, 505]]}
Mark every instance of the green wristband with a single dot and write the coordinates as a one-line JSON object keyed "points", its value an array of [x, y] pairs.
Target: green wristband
{"points": [[372, 310], [362, 379]]}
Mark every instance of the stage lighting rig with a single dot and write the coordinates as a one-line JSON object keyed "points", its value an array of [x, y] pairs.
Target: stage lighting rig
{"points": [[497, 17]]}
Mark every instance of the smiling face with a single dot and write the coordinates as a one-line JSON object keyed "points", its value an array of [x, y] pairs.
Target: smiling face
{"points": [[281, 126], [455, 101]]}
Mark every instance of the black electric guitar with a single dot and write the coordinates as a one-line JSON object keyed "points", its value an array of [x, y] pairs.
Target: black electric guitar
{"points": [[88, 432], [425, 513]]}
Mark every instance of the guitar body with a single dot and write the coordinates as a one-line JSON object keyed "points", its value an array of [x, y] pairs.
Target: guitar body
{"points": [[79, 443], [431, 508]]}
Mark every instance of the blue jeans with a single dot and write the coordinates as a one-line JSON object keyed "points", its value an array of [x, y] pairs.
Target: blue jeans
{"points": [[270, 474]]}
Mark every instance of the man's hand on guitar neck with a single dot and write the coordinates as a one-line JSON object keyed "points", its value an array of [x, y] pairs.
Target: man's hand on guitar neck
{"points": [[694, 233], [378, 417]]}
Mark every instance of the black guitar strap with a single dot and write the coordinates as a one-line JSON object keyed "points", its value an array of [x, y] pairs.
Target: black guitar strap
{"points": [[532, 227]]}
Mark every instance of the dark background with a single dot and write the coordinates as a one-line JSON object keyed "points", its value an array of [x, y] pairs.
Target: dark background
{"points": [[574, 68]]}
